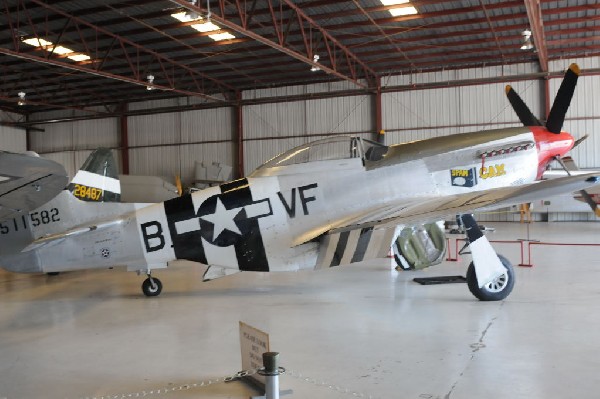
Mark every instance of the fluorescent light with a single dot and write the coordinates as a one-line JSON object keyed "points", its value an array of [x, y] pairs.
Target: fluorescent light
{"points": [[221, 36], [393, 2], [79, 57], [203, 27], [184, 17], [56, 49], [396, 12], [61, 50], [35, 42]]}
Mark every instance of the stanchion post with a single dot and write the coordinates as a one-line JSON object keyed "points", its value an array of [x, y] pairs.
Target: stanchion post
{"points": [[271, 373]]}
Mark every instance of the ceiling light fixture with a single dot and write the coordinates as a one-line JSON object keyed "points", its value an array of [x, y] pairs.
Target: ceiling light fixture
{"points": [[406, 8], [527, 44], [21, 100], [203, 26], [315, 59], [56, 49], [150, 79]]}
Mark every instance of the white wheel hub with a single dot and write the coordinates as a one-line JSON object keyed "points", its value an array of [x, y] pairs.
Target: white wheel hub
{"points": [[497, 284]]}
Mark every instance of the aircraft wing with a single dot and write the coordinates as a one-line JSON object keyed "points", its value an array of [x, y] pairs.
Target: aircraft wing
{"points": [[431, 209], [27, 182]]}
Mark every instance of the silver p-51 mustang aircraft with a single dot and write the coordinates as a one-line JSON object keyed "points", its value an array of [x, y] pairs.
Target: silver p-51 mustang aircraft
{"points": [[327, 203]]}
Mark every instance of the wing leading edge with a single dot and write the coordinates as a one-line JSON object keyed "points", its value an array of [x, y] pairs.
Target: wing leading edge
{"points": [[430, 209]]}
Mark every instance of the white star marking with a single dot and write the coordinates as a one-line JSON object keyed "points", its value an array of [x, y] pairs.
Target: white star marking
{"points": [[222, 219]]}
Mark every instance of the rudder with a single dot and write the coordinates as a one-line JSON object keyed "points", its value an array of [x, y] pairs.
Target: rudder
{"points": [[97, 180]]}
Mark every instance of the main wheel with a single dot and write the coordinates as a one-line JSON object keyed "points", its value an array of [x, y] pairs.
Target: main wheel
{"points": [[496, 290], [152, 290]]}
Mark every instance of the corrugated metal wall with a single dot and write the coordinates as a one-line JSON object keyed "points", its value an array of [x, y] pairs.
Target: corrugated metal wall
{"points": [[170, 144], [12, 139], [419, 114], [163, 144], [270, 129], [71, 142]]}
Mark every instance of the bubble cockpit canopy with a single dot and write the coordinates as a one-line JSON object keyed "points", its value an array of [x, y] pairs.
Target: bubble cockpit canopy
{"points": [[333, 148]]}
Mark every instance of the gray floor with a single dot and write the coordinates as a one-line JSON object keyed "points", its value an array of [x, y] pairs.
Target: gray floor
{"points": [[361, 330]]}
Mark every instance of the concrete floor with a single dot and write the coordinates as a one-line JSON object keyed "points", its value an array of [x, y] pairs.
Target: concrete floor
{"points": [[359, 330]]}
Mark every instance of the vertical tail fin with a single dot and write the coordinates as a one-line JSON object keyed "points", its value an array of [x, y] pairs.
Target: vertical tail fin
{"points": [[97, 180]]}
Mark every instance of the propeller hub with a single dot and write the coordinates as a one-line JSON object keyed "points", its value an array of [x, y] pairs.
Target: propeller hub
{"points": [[550, 145]]}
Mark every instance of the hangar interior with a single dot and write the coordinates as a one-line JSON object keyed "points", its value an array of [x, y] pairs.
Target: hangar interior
{"points": [[153, 82]]}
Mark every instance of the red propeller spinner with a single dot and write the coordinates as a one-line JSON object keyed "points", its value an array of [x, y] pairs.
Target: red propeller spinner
{"points": [[550, 141]]}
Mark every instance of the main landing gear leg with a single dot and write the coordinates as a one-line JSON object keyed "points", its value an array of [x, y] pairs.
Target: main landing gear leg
{"points": [[490, 276], [151, 286]]}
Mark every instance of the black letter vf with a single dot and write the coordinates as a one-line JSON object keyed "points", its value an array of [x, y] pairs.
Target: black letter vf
{"points": [[291, 209], [304, 199]]}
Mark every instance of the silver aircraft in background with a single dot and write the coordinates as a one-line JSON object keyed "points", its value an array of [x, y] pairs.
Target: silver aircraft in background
{"points": [[327, 203], [27, 182]]}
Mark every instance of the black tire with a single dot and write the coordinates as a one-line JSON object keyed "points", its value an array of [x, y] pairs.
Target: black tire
{"points": [[495, 291], [53, 273], [149, 290]]}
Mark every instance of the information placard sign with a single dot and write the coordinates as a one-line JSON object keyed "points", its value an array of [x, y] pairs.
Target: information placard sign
{"points": [[253, 343]]}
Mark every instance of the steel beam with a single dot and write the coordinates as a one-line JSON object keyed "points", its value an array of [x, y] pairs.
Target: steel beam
{"points": [[135, 55], [124, 133], [534, 14], [378, 115], [239, 118], [80, 68], [333, 94], [349, 67], [30, 102]]}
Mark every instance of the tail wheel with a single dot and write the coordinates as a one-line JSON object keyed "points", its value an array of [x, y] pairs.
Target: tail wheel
{"points": [[152, 286], [496, 290]]}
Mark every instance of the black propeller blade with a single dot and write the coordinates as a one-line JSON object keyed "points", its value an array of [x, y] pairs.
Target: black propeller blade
{"points": [[522, 110], [579, 141], [562, 100]]}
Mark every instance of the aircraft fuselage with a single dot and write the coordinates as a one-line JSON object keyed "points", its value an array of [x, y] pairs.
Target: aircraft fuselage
{"points": [[270, 220]]}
